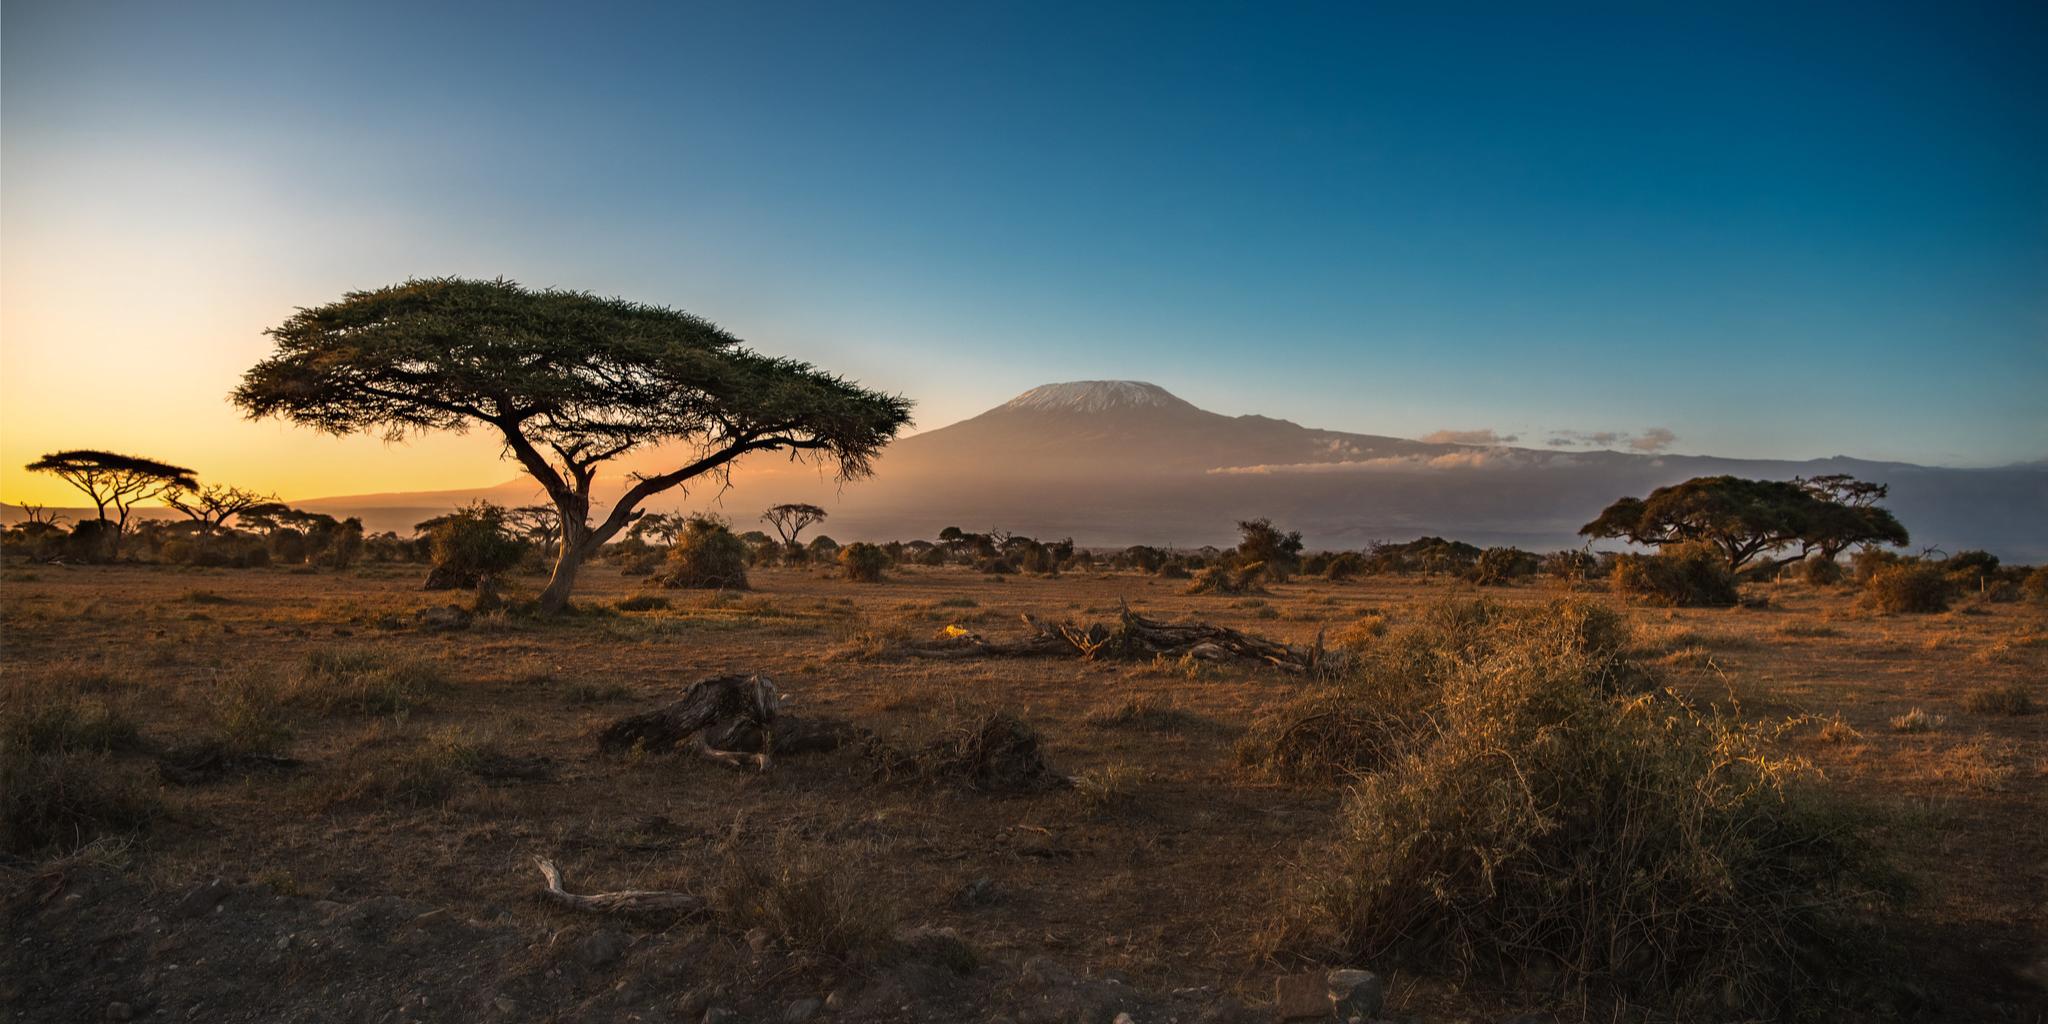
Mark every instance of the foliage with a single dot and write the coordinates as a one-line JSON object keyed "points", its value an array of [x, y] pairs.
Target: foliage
{"points": [[1260, 541], [705, 557], [470, 546], [1821, 572], [2036, 584], [213, 505], [863, 562], [1749, 519], [1909, 587], [1500, 565], [569, 381], [1521, 812], [1685, 576]]}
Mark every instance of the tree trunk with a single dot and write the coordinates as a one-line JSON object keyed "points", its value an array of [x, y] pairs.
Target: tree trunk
{"points": [[556, 596]]}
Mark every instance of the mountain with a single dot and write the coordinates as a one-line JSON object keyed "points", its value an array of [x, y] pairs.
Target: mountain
{"points": [[1112, 463], [1123, 462]]}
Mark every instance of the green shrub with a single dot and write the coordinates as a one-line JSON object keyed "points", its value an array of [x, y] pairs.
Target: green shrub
{"points": [[1520, 813], [469, 547], [1344, 566], [1571, 565], [706, 556], [1499, 565], [1820, 572], [1909, 587], [863, 562], [1683, 575]]}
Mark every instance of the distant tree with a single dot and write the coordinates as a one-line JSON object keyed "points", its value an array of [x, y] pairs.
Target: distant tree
{"points": [[662, 526], [213, 505], [114, 480], [569, 381], [1749, 520], [1260, 541], [538, 523], [789, 520]]}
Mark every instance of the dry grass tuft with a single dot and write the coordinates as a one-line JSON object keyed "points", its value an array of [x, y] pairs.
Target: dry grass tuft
{"points": [[1917, 720], [361, 681], [811, 897], [1980, 764]]}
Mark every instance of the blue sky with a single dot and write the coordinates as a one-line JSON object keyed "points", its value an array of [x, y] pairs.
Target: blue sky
{"points": [[1776, 231]]}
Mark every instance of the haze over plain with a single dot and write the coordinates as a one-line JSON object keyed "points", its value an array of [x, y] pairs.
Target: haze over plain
{"points": [[1757, 233]]}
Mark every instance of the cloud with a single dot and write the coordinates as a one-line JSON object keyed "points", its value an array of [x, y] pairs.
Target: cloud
{"points": [[1655, 439], [1493, 458], [1486, 436]]}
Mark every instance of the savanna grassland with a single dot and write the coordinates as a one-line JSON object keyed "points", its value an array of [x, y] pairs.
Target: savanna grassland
{"points": [[434, 755]]}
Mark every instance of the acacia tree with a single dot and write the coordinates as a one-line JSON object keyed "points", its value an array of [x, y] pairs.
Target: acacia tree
{"points": [[213, 505], [569, 381], [117, 480], [789, 520], [1749, 519]]}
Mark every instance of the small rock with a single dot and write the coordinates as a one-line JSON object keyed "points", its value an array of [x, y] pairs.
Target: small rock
{"points": [[719, 1015], [1301, 995], [801, 1011], [1194, 994], [1355, 993], [759, 939], [835, 1002], [505, 1004], [1124, 1018], [431, 918], [120, 1011], [203, 899]]}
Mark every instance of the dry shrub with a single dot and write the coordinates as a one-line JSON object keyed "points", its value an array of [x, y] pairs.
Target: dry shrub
{"points": [[1112, 784], [642, 603], [1223, 579], [1908, 588], [706, 556], [1838, 731], [1999, 700], [362, 681], [2035, 586], [810, 897], [1547, 826], [1361, 634], [1682, 576], [991, 751], [863, 562]]}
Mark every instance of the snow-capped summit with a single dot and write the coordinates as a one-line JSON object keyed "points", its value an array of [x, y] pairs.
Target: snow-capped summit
{"points": [[1094, 396]]}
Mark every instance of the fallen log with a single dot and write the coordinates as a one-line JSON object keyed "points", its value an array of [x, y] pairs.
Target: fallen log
{"points": [[718, 704], [1133, 637], [625, 901]]}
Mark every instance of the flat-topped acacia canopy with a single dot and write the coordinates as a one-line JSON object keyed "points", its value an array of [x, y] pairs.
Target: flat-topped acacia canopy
{"points": [[569, 380]]}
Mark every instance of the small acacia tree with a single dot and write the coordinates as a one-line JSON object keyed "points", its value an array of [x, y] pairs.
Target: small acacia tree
{"points": [[213, 505], [115, 480], [789, 520], [569, 381]]}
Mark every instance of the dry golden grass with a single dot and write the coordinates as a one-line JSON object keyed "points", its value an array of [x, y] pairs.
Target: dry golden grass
{"points": [[1163, 845]]}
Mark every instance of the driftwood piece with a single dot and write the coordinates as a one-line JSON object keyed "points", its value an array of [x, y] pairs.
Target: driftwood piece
{"points": [[1132, 637], [625, 901]]}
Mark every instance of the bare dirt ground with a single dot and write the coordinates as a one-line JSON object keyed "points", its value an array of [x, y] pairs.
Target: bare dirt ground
{"points": [[389, 876]]}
